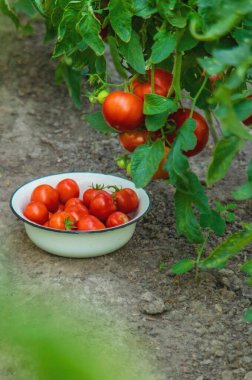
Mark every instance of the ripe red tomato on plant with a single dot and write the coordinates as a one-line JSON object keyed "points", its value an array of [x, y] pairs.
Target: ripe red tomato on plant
{"points": [[116, 219], [67, 189], [132, 139], [145, 88], [48, 195], [90, 194], [62, 220], [123, 111], [126, 200], [90, 223], [162, 79], [102, 206], [201, 131], [161, 173], [36, 212]]}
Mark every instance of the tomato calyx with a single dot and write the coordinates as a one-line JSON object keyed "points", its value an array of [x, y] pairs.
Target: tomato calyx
{"points": [[69, 224], [97, 186]]}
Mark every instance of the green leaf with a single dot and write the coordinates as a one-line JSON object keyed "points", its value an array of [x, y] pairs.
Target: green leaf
{"points": [[38, 5], [248, 315], [183, 266], [229, 248], [116, 57], [155, 122], [96, 121], [164, 45], [89, 29], [243, 109], [25, 6], [133, 53], [155, 104], [8, 11], [143, 8], [187, 42], [120, 15], [214, 221], [186, 221], [145, 161], [73, 80], [244, 191], [224, 153], [247, 267], [211, 65]]}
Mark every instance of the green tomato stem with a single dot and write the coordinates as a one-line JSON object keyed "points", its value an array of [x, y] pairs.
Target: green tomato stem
{"points": [[197, 95], [200, 251]]}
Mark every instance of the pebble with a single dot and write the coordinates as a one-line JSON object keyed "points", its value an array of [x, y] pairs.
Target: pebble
{"points": [[218, 308], [227, 375], [248, 376], [200, 377], [151, 304]]}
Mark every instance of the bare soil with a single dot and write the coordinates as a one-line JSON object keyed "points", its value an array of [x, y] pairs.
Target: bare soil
{"points": [[200, 334]]}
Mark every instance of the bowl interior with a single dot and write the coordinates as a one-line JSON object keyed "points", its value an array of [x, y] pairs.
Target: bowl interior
{"points": [[22, 195]]}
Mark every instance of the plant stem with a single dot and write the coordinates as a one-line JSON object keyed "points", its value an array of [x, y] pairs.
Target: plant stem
{"points": [[212, 128], [176, 76], [199, 252], [198, 94]]}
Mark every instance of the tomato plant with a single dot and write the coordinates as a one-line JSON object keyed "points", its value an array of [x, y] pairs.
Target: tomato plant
{"points": [[161, 48]]}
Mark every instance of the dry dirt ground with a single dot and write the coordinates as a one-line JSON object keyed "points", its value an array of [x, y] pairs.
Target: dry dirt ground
{"points": [[200, 334]]}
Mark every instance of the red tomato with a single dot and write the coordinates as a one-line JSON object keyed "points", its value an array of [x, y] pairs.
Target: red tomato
{"points": [[116, 219], [67, 189], [61, 207], [62, 220], [90, 194], [161, 173], [145, 88], [77, 211], [102, 206], [90, 223], [131, 140], [123, 111], [162, 79], [46, 224], [73, 202], [36, 212], [48, 195], [201, 131], [126, 200]]}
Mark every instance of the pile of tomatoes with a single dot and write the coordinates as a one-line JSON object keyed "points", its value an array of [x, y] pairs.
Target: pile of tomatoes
{"points": [[61, 208], [123, 111]]}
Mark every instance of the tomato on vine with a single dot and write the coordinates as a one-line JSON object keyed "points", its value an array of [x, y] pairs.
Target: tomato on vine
{"points": [[161, 173], [123, 111], [201, 130]]}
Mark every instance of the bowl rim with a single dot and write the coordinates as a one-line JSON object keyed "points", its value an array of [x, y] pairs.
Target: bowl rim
{"points": [[76, 232]]}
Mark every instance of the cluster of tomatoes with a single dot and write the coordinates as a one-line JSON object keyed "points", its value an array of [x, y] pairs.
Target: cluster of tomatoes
{"points": [[123, 111], [61, 208]]}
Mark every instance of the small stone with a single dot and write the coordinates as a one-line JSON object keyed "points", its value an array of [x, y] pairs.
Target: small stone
{"points": [[219, 353], [201, 377], [151, 304], [227, 375], [248, 376], [207, 362], [218, 308]]}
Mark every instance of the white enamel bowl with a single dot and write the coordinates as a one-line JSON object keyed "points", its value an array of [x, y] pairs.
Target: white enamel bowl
{"points": [[78, 243]]}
